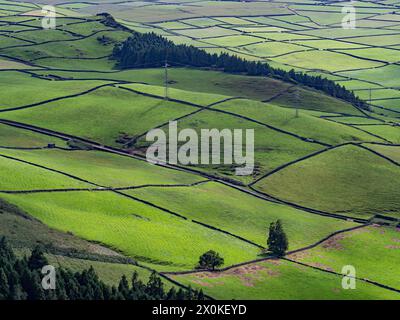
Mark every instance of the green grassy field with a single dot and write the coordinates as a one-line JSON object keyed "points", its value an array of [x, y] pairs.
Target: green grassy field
{"points": [[271, 148], [137, 230], [64, 249], [13, 137], [233, 211], [364, 249], [106, 169], [276, 280], [65, 80], [393, 152], [21, 176], [102, 115], [37, 90], [342, 180]]}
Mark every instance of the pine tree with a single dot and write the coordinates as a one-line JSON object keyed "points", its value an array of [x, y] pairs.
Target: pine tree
{"points": [[37, 259], [4, 287], [155, 287], [277, 240], [123, 287]]}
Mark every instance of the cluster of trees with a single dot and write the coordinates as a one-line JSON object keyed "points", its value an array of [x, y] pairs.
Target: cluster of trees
{"points": [[145, 50], [21, 279], [277, 243]]}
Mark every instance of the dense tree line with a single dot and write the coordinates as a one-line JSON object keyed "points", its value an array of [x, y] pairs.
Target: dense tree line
{"points": [[21, 279], [145, 50]]}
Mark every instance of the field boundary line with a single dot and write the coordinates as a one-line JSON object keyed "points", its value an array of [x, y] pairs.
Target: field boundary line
{"points": [[383, 286], [202, 108], [314, 211], [58, 98], [102, 189], [117, 191], [380, 155], [268, 257], [227, 182]]}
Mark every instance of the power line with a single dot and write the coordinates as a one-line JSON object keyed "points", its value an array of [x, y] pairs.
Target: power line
{"points": [[166, 79]]}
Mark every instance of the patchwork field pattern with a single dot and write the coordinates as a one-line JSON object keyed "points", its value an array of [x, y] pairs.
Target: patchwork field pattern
{"points": [[72, 144]]}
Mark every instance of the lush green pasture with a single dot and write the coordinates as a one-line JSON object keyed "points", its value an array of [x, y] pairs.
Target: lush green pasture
{"points": [[207, 32], [299, 97], [86, 28], [202, 99], [380, 54], [137, 230], [272, 49], [379, 94], [13, 137], [211, 82], [279, 279], [37, 90], [380, 40], [387, 75], [347, 180], [341, 33], [356, 120], [101, 64], [105, 169], [89, 47], [271, 148], [7, 41], [16, 175], [241, 214], [388, 132], [232, 41], [373, 251], [304, 125], [329, 44], [325, 60], [393, 104], [102, 115], [393, 152], [42, 35], [13, 65], [23, 233]]}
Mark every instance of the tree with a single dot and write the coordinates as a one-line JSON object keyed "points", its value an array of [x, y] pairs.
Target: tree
{"points": [[4, 287], [123, 287], [155, 287], [277, 239], [210, 260], [37, 259]]}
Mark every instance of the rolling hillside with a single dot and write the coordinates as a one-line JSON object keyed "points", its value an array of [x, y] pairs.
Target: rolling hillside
{"points": [[72, 146]]}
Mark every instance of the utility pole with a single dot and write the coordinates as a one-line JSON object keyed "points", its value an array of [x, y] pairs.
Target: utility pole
{"points": [[166, 80], [297, 99], [370, 96]]}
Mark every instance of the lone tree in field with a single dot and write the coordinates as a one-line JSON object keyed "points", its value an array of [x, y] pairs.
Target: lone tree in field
{"points": [[210, 260], [277, 239]]}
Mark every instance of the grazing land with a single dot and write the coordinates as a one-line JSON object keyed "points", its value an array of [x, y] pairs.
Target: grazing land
{"points": [[73, 123]]}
